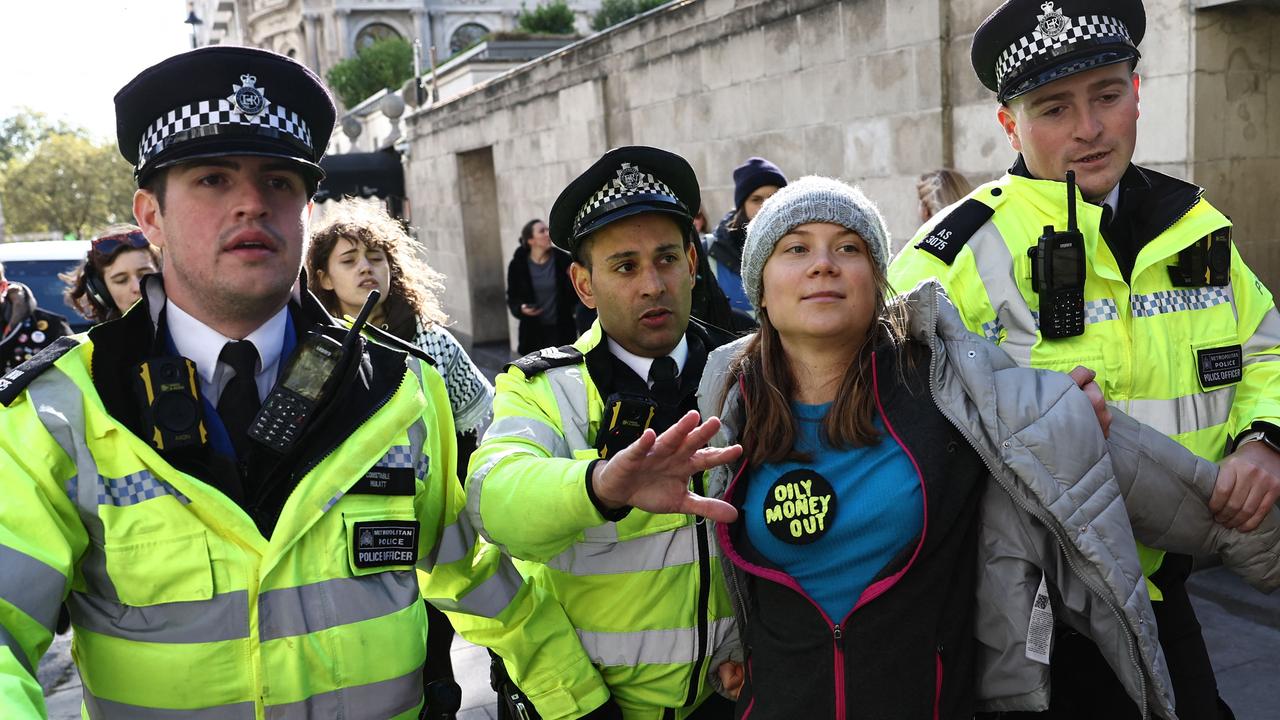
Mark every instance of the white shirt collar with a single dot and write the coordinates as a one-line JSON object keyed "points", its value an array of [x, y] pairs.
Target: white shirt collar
{"points": [[641, 364], [1112, 200], [202, 345]]}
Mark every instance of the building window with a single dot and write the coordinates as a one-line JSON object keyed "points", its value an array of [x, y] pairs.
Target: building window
{"points": [[372, 33], [466, 36]]}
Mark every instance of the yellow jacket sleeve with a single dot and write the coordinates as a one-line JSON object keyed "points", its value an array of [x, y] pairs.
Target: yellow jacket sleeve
{"points": [[41, 538], [526, 488], [960, 279], [1258, 394], [486, 598]]}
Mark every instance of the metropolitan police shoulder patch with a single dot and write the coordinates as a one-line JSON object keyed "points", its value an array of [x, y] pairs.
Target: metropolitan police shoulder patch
{"points": [[536, 363], [948, 237], [16, 380]]}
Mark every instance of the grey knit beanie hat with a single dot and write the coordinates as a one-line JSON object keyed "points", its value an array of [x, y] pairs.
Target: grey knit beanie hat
{"points": [[810, 199]]}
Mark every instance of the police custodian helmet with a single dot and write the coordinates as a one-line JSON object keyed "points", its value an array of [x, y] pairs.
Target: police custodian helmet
{"points": [[626, 181], [224, 100], [1026, 44]]}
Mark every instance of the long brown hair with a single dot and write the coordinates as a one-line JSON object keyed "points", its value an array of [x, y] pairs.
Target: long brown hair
{"points": [[414, 285], [768, 384]]}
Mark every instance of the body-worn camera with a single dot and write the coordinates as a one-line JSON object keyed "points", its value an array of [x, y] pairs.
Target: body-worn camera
{"points": [[170, 400], [1057, 274], [625, 419], [1204, 263]]}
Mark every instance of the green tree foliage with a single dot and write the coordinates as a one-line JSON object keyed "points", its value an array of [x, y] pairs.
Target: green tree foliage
{"points": [[612, 12], [387, 63], [21, 132], [67, 184], [547, 18]]}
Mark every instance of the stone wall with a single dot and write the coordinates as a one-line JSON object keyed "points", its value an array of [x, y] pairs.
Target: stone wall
{"points": [[1235, 120], [872, 91]]}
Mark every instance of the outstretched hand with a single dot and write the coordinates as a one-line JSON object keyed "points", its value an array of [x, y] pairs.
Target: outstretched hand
{"points": [[652, 473]]}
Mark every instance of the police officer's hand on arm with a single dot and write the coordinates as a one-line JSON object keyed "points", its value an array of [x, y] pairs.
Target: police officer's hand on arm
{"points": [[652, 473], [1247, 488], [731, 677], [1083, 377]]}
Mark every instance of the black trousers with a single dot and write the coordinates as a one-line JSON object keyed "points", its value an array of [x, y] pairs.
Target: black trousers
{"points": [[1083, 685]]}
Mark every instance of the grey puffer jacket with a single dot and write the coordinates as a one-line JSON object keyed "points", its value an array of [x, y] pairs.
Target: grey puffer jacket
{"points": [[1068, 508]]}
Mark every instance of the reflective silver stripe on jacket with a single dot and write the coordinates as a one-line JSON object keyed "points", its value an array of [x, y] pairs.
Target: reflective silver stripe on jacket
{"points": [[9, 641], [650, 647], [100, 709], [649, 552], [1178, 300], [570, 391], [1265, 338], [221, 617], [1184, 414], [995, 267], [489, 598], [60, 407], [456, 541], [418, 430], [289, 612], [31, 586], [384, 699], [531, 430]]}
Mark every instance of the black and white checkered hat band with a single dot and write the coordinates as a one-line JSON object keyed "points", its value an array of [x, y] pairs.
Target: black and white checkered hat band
{"points": [[205, 117], [1030, 48], [615, 190]]}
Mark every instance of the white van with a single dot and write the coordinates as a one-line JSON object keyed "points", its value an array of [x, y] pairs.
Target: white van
{"points": [[37, 264]]}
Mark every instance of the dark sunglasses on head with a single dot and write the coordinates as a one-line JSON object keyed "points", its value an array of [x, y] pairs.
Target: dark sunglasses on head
{"points": [[108, 244]]}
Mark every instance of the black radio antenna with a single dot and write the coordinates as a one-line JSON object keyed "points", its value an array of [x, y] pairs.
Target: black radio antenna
{"points": [[1071, 201], [349, 341]]}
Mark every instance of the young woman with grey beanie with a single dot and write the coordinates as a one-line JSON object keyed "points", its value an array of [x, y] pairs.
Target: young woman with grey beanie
{"points": [[909, 500]]}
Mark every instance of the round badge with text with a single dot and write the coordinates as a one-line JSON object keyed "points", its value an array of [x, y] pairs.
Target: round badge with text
{"points": [[800, 507]]}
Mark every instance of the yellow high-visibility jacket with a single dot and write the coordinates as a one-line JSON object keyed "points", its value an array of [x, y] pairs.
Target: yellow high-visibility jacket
{"points": [[183, 609], [1199, 363], [646, 593]]}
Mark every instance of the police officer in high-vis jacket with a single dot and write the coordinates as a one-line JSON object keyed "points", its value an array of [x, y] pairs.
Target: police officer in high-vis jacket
{"points": [[1149, 291], [591, 472], [230, 493]]}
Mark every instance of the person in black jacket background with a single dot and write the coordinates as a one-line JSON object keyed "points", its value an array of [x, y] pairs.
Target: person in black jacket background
{"points": [[539, 293], [24, 328]]}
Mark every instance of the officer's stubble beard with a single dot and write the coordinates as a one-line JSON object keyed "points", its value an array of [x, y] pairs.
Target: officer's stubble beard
{"points": [[580, 273], [231, 313]]}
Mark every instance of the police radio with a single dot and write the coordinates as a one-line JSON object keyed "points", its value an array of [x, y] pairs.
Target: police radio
{"points": [[1057, 274], [305, 383], [168, 394], [626, 417]]}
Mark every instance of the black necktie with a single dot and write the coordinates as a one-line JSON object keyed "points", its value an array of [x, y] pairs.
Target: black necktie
{"points": [[239, 402], [665, 388]]}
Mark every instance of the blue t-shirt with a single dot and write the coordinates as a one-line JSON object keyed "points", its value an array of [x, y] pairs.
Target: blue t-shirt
{"points": [[835, 522]]}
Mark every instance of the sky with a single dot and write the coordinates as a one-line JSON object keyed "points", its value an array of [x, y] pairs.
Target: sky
{"points": [[67, 58]]}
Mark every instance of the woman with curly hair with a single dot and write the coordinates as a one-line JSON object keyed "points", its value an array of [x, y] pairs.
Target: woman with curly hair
{"points": [[110, 278], [360, 248]]}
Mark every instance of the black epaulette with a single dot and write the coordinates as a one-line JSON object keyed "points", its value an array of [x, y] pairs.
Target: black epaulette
{"points": [[536, 363], [17, 379], [949, 236], [397, 343]]}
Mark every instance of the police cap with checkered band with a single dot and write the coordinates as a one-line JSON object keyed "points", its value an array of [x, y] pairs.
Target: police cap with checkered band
{"points": [[224, 100], [626, 181], [1026, 44]]}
